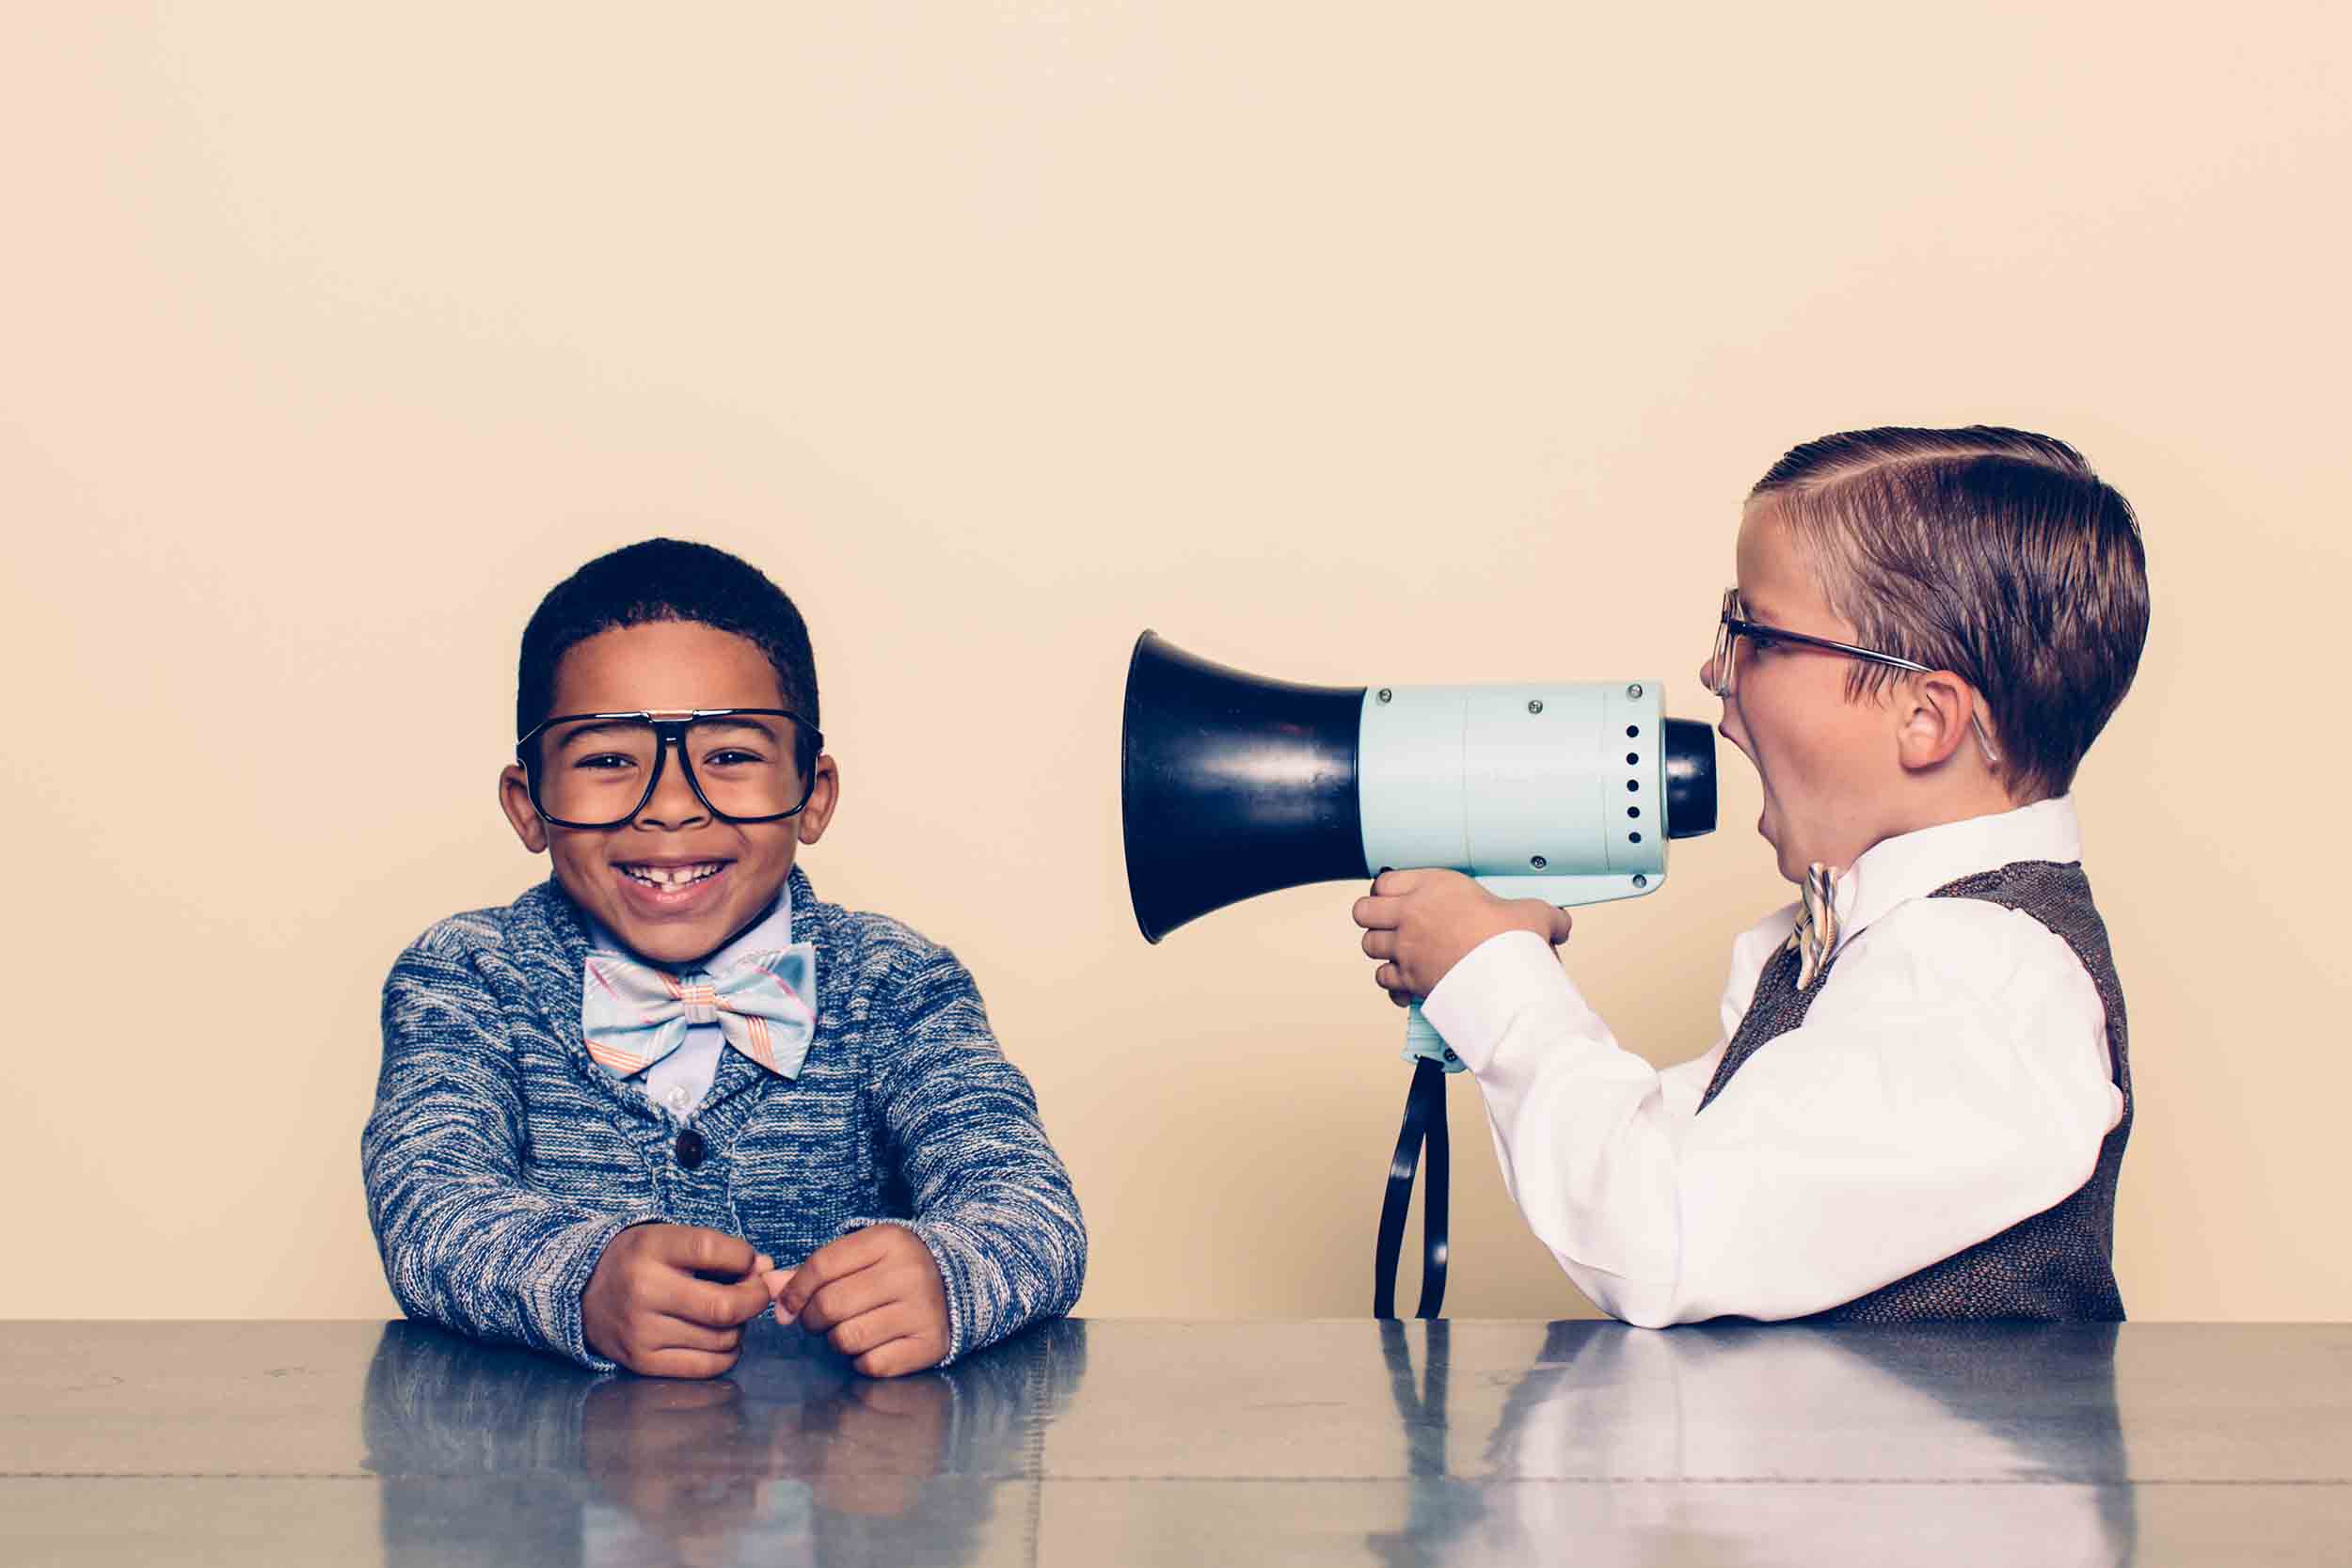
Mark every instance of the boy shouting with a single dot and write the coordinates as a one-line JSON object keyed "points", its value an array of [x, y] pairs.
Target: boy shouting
{"points": [[1918, 1106]]}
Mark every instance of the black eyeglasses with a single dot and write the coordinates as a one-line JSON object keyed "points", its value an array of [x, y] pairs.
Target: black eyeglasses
{"points": [[1733, 627], [600, 769]]}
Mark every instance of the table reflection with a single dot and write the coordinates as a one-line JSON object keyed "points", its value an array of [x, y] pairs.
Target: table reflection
{"points": [[1892, 1434], [494, 1455], [1400, 1445]]}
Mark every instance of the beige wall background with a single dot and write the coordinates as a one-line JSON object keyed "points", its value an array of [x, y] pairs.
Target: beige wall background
{"points": [[1338, 343]]}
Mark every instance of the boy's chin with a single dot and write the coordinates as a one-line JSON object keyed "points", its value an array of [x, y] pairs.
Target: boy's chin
{"points": [[671, 946], [1792, 863], [1782, 856]]}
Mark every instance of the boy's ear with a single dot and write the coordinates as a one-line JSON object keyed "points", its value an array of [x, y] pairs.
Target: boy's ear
{"points": [[515, 800], [822, 797], [1934, 711]]}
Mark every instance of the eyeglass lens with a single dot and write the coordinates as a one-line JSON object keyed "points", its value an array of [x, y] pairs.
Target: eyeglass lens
{"points": [[599, 772]]}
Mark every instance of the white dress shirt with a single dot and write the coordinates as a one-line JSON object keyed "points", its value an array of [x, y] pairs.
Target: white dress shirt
{"points": [[1951, 1079], [679, 1082]]}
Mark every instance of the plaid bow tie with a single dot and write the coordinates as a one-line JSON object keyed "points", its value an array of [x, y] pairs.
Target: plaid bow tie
{"points": [[632, 1014], [1816, 936]]}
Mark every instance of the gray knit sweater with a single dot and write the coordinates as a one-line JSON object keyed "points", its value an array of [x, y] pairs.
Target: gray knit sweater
{"points": [[499, 1160]]}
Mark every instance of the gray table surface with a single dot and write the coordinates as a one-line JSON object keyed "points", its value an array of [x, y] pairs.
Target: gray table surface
{"points": [[1136, 1442]]}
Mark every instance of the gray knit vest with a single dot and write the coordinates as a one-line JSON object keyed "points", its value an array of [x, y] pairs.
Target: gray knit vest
{"points": [[2056, 1265]]}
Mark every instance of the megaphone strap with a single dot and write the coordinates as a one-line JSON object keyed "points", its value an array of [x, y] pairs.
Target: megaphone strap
{"points": [[1424, 1125]]}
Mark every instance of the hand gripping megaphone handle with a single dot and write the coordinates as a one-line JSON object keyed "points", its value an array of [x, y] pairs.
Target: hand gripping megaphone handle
{"points": [[1424, 1125]]}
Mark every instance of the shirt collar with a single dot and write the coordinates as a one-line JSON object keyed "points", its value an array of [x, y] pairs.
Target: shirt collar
{"points": [[1914, 864], [770, 932]]}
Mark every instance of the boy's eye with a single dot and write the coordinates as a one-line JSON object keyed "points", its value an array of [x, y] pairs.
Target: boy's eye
{"points": [[733, 756], [605, 760]]}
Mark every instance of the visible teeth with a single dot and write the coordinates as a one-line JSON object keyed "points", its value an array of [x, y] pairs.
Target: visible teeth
{"points": [[671, 876]]}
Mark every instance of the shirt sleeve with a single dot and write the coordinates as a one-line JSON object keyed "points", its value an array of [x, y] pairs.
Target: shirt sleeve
{"points": [[992, 1201], [1950, 1080], [466, 1243]]}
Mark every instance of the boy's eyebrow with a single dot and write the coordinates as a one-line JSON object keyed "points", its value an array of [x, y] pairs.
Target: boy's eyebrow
{"points": [[574, 732], [758, 725]]}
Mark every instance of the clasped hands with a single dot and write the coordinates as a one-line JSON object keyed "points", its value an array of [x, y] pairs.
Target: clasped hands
{"points": [[1420, 924], [672, 1300]]}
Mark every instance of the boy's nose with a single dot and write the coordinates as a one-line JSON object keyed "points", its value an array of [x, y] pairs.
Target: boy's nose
{"points": [[675, 803]]}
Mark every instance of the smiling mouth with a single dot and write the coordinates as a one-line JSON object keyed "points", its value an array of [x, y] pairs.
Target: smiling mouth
{"points": [[669, 879]]}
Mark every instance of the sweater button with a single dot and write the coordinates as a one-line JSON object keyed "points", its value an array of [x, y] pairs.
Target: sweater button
{"points": [[692, 1149]]}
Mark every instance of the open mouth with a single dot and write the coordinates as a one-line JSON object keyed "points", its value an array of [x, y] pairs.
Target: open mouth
{"points": [[670, 879]]}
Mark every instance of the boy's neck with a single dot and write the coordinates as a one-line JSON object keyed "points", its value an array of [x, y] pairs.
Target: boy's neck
{"points": [[1963, 803]]}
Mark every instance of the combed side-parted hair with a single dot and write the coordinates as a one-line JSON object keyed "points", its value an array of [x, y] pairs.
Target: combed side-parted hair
{"points": [[1997, 554], [666, 580]]}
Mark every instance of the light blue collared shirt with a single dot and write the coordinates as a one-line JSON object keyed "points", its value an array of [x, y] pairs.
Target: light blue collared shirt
{"points": [[679, 1082]]}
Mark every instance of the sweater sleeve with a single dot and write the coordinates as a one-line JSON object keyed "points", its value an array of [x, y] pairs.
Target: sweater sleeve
{"points": [[466, 1242], [990, 1199]]}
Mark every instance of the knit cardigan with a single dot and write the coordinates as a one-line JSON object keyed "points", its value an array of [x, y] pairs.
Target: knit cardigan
{"points": [[500, 1160]]}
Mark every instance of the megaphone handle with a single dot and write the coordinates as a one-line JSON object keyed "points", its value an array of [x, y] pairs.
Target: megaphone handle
{"points": [[1422, 1043], [1424, 1124]]}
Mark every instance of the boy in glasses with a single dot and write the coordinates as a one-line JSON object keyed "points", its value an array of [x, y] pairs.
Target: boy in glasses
{"points": [[1918, 1104], [671, 1088]]}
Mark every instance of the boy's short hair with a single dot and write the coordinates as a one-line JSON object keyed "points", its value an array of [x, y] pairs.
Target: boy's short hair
{"points": [[1997, 554], [667, 579]]}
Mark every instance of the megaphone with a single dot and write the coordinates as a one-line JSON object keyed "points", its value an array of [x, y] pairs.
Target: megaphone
{"points": [[1233, 784]]}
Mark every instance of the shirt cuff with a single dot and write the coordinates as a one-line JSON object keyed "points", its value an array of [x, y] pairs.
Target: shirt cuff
{"points": [[1499, 982]]}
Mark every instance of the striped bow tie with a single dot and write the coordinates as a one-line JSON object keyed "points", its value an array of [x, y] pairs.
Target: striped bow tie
{"points": [[632, 1014], [1816, 936]]}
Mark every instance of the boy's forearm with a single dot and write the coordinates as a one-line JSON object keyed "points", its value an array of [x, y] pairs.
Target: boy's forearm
{"points": [[1598, 1156], [994, 1205], [1575, 1121], [990, 1198], [466, 1243], [494, 1263]]}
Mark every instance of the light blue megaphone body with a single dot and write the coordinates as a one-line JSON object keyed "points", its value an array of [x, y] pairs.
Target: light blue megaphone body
{"points": [[1557, 790]]}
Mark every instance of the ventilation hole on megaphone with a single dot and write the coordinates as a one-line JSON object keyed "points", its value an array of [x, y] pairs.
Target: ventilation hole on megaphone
{"points": [[1633, 811], [1634, 838], [1632, 785], [1632, 730], [1631, 758]]}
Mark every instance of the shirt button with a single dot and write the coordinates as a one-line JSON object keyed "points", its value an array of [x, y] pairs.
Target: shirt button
{"points": [[676, 1099], [692, 1149]]}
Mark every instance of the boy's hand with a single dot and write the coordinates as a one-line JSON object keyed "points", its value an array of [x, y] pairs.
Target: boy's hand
{"points": [[1423, 923], [672, 1300], [875, 1295]]}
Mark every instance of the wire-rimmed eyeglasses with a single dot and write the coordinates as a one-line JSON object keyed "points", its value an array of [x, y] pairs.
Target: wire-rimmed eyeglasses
{"points": [[1733, 627], [600, 769]]}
